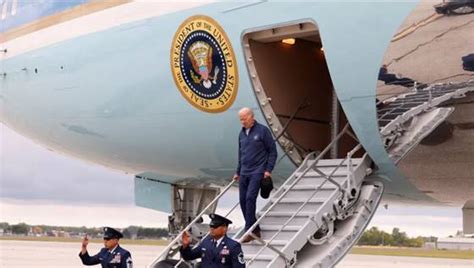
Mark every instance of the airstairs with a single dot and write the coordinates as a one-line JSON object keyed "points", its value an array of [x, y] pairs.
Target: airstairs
{"points": [[406, 119], [305, 212], [313, 219], [320, 211]]}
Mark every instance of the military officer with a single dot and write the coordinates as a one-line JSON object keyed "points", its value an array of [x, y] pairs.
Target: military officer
{"points": [[217, 249], [112, 255]]}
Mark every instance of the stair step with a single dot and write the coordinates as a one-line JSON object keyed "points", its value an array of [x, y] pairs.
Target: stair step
{"points": [[293, 207], [254, 248], [298, 186], [282, 235], [287, 214], [297, 220], [260, 257], [295, 210], [293, 200], [275, 243], [325, 171], [346, 232], [303, 193], [277, 262], [335, 162], [258, 264], [289, 228], [308, 180], [313, 175]]}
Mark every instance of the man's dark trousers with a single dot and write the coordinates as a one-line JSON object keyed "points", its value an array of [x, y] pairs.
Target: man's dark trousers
{"points": [[249, 185]]}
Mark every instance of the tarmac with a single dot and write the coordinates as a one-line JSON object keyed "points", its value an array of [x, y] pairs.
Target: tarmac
{"points": [[22, 254], [430, 51], [368, 261]]}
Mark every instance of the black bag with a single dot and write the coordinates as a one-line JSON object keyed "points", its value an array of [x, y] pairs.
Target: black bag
{"points": [[266, 186], [468, 62]]}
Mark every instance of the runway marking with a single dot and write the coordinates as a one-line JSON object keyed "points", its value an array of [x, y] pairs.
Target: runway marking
{"points": [[415, 26], [396, 59]]}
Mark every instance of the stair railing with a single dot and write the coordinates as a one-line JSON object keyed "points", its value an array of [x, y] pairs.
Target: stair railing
{"points": [[266, 243], [196, 219], [285, 191]]}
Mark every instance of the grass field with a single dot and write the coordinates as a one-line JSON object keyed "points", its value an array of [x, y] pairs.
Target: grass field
{"points": [[414, 252]]}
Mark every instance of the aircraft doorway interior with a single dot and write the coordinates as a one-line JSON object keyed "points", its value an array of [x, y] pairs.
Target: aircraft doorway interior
{"points": [[292, 83]]}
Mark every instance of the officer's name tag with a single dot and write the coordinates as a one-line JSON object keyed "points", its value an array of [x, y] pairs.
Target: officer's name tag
{"points": [[225, 251]]}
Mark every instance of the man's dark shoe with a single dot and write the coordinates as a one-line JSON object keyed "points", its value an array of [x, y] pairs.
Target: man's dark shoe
{"points": [[249, 238], [257, 234]]}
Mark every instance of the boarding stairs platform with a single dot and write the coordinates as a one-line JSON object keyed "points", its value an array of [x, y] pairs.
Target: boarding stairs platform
{"points": [[303, 213], [406, 119], [316, 215], [314, 218]]}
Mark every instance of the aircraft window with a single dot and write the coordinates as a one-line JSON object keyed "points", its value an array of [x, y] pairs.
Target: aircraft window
{"points": [[14, 7], [4, 9]]}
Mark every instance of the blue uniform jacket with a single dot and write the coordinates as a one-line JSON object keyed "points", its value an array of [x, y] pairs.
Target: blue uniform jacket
{"points": [[119, 258], [257, 151], [227, 254]]}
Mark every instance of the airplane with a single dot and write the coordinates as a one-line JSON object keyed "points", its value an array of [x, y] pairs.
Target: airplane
{"points": [[153, 88]]}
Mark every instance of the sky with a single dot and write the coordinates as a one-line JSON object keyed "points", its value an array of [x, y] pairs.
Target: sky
{"points": [[38, 186]]}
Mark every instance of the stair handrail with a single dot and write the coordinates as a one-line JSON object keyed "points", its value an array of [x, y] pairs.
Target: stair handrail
{"points": [[181, 260], [178, 237], [431, 101], [274, 202], [307, 158], [266, 243], [349, 157], [276, 193], [271, 206], [304, 104]]}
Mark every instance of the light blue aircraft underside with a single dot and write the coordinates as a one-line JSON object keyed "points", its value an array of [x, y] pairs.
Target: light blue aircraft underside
{"points": [[109, 97]]}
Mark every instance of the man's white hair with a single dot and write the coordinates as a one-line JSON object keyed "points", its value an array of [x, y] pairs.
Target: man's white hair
{"points": [[246, 110]]}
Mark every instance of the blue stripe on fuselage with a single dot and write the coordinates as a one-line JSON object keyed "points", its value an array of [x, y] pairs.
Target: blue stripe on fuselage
{"points": [[28, 11]]}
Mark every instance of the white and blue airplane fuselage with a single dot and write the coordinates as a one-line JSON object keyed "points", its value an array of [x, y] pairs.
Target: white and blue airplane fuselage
{"points": [[95, 80]]}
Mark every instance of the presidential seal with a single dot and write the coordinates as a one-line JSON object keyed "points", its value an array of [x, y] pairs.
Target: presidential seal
{"points": [[203, 64]]}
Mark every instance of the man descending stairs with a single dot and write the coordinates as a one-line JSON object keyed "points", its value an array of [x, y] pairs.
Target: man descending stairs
{"points": [[304, 213], [313, 219], [321, 210]]}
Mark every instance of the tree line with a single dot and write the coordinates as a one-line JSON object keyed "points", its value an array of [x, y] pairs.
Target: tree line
{"points": [[371, 237], [376, 237], [131, 232]]}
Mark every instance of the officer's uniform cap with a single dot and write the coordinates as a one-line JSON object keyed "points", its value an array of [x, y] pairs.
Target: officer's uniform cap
{"points": [[218, 220], [111, 233]]}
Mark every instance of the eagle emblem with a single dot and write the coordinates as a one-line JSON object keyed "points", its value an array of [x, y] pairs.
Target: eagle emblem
{"points": [[203, 64], [200, 55]]}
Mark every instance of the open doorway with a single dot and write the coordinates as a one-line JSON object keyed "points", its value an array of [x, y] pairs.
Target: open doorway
{"points": [[293, 86]]}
